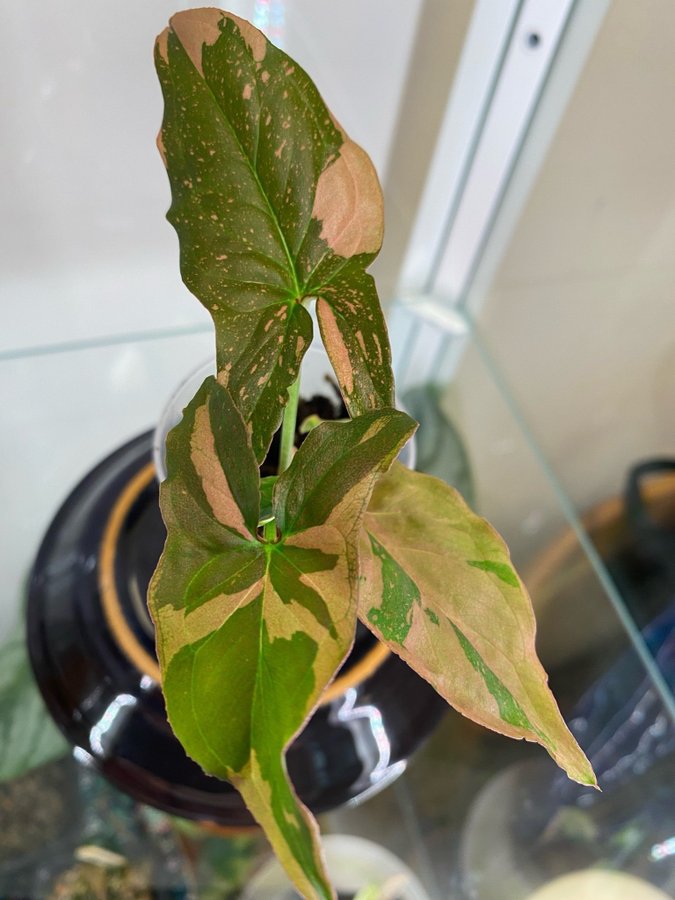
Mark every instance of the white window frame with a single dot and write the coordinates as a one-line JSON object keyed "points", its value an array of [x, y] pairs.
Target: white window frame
{"points": [[520, 63]]}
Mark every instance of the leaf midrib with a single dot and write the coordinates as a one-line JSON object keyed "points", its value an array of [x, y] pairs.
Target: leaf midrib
{"points": [[192, 693], [299, 291], [273, 214]]}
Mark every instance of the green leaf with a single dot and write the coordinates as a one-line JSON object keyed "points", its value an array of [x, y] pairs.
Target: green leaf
{"points": [[273, 204], [439, 588], [28, 736], [334, 465], [250, 633]]}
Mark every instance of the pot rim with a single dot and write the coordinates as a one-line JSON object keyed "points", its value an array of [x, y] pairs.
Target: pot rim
{"points": [[181, 396]]}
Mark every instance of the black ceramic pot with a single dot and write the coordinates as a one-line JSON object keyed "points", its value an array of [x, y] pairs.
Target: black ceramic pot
{"points": [[91, 646]]}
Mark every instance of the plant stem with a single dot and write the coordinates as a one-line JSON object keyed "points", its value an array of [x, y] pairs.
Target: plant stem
{"points": [[288, 426], [270, 531]]}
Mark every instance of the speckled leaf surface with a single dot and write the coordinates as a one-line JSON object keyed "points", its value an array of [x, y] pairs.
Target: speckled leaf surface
{"points": [[273, 204], [439, 588], [250, 633]]}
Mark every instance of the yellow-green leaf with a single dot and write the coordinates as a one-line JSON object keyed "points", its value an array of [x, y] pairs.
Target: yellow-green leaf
{"points": [[249, 633], [440, 589], [273, 205]]}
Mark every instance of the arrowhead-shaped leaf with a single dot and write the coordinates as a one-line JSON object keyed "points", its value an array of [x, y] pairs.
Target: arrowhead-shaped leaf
{"points": [[250, 633], [439, 588], [273, 204]]}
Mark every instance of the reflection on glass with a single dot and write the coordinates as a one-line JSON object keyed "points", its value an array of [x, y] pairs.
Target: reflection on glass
{"points": [[370, 742], [269, 16], [102, 735]]}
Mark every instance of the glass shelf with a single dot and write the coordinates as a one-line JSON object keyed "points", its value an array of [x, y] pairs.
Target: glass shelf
{"points": [[475, 815]]}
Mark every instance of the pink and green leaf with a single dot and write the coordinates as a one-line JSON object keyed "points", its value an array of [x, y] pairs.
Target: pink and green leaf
{"points": [[349, 316], [273, 204], [250, 633], [439, 588]]}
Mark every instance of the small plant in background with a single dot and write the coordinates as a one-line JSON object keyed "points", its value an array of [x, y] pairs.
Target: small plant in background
{"points": [[257, 593]]}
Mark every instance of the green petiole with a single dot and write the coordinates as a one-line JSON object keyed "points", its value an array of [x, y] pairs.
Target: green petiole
{"points": [[288, 426]]}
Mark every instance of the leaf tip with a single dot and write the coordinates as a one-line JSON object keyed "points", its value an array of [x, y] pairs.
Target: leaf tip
{"points": [[592, 781], [582, 773], [254, 39], [194, 28]]}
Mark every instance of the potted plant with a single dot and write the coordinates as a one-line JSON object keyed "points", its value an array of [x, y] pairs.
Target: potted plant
{"points": [[256, 597]]}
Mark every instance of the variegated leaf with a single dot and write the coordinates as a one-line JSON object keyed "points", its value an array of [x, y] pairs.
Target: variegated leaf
{"points": [[273, 204], [440, 589], [350, 320], [249, 633]]}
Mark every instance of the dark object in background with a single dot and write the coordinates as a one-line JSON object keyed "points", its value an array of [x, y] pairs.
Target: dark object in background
{"points": [[621, 720], [644, 568], [530, 824], [626, 729]]}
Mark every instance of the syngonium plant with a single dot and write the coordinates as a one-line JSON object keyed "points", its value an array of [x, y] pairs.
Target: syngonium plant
{"points": [[257, 593]]}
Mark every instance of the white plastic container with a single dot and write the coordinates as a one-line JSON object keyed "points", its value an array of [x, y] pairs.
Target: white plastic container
{"points": [[352, 863], [315, 369]]}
